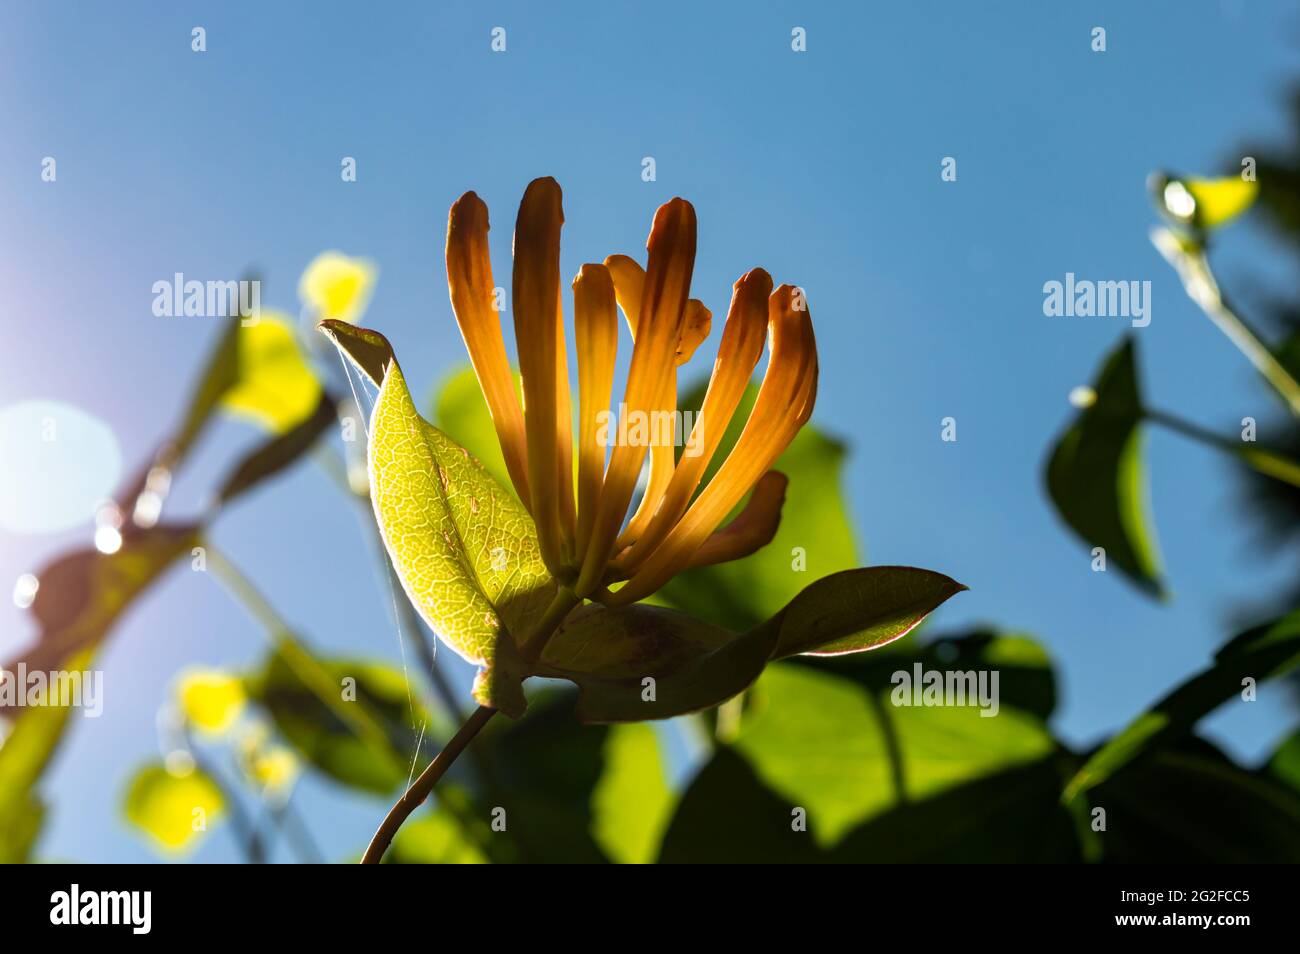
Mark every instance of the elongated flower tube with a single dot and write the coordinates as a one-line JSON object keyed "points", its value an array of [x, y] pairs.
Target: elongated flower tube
{"points": [[589, 543]]}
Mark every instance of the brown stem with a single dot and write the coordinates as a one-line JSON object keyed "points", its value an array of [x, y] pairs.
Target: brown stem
{"points": [[415, 795]]}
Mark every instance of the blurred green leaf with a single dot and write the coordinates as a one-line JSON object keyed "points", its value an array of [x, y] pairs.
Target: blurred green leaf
{"points": [[375, 691], [548, 767], [1259, 654], [278, 452], [1025, 678], [434, 838], [82, 593], [1188, 804], [1284, 765], [28, 739], [1014, 816], [631, 804], [1096, 476], [727, 815], [173, 809], [815, 538], [461, 412], [218, 376], [845, 754], [272, 384], [465, 550]]}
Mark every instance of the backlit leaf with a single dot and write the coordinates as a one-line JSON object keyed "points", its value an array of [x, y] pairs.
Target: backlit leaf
{"points": [[631, 804], [173, 810], [337, 286], [433, 839], [845, 753], [274, 386], [461, 412], [465, 550], [377, 761], [28, 739], [856, 610], [210, 699]]}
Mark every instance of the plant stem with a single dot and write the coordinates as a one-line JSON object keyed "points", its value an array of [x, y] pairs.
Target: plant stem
{"points": [[1198, 281], [531, 646], [241, 824], [299, 835], [1268, 462], [419, 791]]}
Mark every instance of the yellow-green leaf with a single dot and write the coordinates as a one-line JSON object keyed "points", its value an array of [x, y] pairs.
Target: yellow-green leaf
{"points": [[1203, 204], [337, 286], [830, 747], [433, 839], [465, 550], [631, 804], [857, 610], [211, 699], [173, 809], [274, 385], [367, 738], [462, 413]]}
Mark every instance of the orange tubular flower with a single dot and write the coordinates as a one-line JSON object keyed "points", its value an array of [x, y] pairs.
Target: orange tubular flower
{"points": [[676, 525]]}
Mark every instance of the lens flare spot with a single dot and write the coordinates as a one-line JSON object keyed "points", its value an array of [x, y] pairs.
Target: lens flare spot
{"points": [[108, 539], [1083, 397], [25, 590], [60, 462]]}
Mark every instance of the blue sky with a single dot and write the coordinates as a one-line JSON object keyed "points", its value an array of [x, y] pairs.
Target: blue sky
{"points": [[823, 167]]}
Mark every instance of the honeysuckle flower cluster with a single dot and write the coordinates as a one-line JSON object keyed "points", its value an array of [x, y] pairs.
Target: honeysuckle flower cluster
{"points": [[587, 539]]}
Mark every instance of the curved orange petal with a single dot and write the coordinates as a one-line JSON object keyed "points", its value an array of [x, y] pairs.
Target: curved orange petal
{"points": [[738, 353], [539, 338], [785, 402], [663, 305], [664, 423], [751, 529], [469, 282], [595, 321]]}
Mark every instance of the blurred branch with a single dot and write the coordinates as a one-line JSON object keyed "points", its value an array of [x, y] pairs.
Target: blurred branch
{"points": [[1188, 257], [294, 653], [1266, 461]]}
